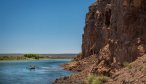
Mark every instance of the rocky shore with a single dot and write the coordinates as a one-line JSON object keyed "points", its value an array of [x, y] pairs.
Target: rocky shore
{"points": [[133, 73], [114, 34]]}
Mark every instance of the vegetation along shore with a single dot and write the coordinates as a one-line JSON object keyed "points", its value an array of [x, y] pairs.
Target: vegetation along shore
{"points": [[36, 56], [24, 57]]}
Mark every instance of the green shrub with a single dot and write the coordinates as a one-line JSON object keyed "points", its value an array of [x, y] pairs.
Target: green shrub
{"points": [[96, 82], [102, 78], [90, 78], [31, 55], [93, 79], [12, 58], [34, 56], [25, 57]]}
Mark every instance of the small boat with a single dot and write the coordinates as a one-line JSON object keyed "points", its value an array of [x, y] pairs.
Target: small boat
{"points": [[31, 67]]}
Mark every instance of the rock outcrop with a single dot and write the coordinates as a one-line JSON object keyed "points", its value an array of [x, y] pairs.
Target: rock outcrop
{"points": [[114, 33], [95, 36]]}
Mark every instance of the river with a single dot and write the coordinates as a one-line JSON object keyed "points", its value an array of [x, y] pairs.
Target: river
{"points": [[16, 72]]}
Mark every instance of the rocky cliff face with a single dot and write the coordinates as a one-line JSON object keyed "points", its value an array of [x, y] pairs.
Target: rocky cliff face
{"points": [[95, 34], [115, 30]]}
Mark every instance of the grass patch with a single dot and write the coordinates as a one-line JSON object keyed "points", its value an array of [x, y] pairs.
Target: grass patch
{"points": [[93, 79]]}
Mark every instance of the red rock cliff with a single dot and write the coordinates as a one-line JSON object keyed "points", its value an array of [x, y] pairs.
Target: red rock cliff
{"points": [[115, 30], [114, 33]]}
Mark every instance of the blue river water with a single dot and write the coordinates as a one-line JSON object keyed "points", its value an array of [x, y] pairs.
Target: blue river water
{"points": [[16, 72]]}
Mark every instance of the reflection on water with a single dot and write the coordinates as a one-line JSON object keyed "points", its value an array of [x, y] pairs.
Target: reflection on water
{"points": [[16, 72]]}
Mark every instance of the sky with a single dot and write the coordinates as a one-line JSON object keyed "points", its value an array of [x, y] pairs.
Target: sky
{"points": [[42, 26]]}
